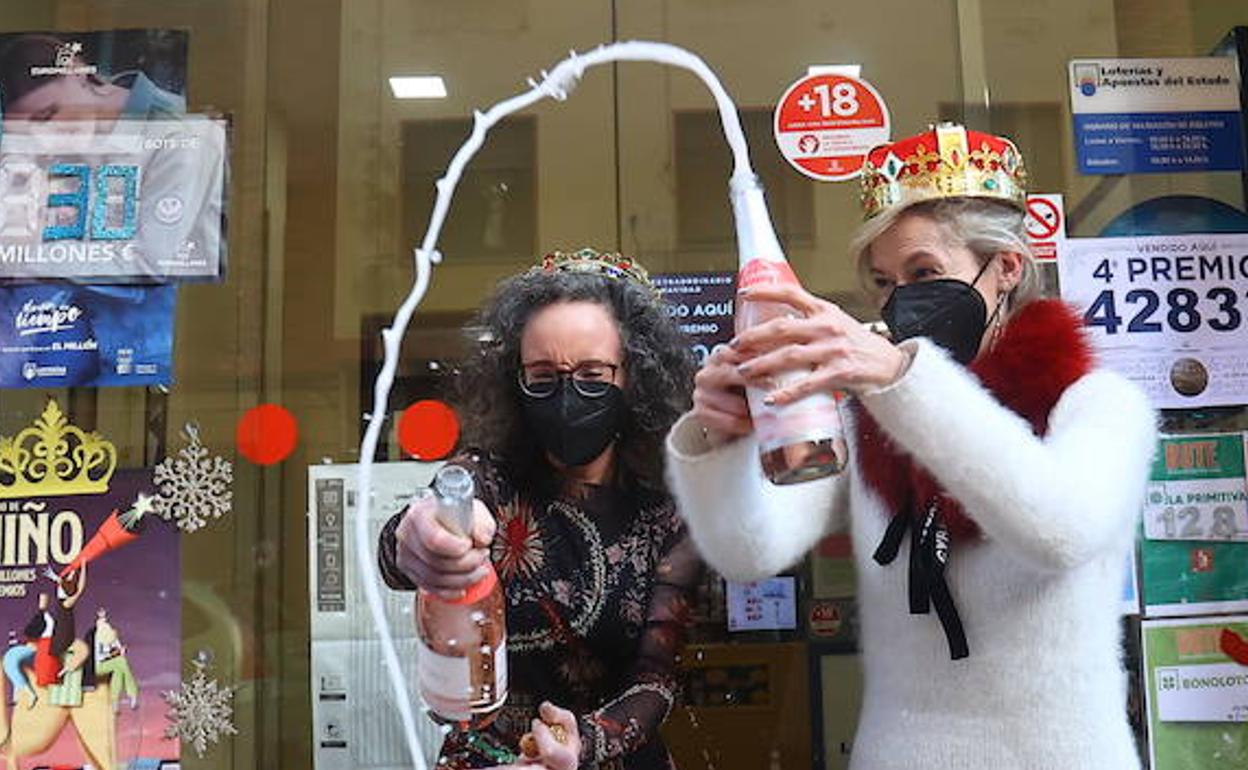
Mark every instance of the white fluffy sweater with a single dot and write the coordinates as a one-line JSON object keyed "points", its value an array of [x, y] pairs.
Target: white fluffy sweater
{"points": [[1044, 687]]}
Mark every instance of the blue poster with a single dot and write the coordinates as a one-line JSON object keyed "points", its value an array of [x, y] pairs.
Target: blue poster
{"points": [[66, 335], [104, 177], [1134, 116]]}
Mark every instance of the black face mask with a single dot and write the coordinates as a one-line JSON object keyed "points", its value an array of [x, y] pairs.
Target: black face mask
{"points": [[574, 428], [949, 312]]}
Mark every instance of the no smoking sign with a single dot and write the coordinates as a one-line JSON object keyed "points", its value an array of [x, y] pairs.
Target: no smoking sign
{"points": [[1045, 223], [826, 123]]}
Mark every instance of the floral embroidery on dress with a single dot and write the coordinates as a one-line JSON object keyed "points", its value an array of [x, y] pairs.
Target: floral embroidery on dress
{"points": [[518, 550], [597, 581], [640, 557], [612, 732], [562, 591], [633, 607], [573, 552]]}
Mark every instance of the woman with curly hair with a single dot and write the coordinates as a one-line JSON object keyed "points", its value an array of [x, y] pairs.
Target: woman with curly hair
{"points": [[565, 406]]}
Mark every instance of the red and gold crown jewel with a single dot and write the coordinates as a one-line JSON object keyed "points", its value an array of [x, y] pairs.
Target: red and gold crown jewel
{"points": [[610, 264], [946, 161]]}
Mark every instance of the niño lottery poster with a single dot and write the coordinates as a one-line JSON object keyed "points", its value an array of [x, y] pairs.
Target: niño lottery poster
{"points": [[90, 604]]}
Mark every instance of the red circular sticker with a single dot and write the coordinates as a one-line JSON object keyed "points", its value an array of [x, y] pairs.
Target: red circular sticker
{"points": [[825, 125], [428, 430], [266, 434], [825, 619]]}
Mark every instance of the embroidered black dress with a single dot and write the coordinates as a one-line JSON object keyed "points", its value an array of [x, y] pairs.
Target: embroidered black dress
{"points": [[598, 582]]}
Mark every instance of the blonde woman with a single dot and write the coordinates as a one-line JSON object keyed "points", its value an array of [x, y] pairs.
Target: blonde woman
{"points": [[995, 475]]}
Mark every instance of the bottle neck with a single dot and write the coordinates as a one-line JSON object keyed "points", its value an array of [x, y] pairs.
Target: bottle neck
{"points": [[756, 237]]}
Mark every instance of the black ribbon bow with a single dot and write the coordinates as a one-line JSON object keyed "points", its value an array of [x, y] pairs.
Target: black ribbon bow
{"points": [[929, 554]]}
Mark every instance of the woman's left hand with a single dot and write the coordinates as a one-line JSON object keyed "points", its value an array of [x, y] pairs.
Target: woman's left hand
{"points": [[837, 350], [553, 753]]}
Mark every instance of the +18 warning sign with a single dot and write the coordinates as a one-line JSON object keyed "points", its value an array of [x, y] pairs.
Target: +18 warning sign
{"points": [[827, 122]]}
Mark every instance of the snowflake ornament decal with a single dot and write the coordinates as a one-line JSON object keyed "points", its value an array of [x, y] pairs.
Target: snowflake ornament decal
{"points": [[193, 485], [201, 711]]}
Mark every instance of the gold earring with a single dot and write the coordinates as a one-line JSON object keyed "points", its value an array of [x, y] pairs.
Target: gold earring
{"points": [[998, 321]]}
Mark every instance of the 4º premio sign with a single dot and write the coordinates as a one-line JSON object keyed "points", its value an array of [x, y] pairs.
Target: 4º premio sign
{"points": [[134, 200], [1168, 312]]}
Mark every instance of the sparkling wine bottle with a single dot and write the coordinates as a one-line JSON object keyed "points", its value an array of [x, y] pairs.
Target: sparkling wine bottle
{"points": [[803, 440], [462, 643]]}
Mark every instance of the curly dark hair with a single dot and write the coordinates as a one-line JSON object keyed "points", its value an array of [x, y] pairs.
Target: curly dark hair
{"points": [[657, 360]]}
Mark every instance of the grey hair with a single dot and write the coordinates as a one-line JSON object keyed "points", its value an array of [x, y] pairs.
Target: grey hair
{"points": [[987, 227]]}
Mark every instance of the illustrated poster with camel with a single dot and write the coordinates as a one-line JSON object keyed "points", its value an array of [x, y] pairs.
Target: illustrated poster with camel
{"points": [[91, 604]]}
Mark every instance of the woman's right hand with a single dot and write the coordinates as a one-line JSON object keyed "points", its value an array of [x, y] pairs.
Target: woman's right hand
{"points": [[436, 559], [719, 395]]}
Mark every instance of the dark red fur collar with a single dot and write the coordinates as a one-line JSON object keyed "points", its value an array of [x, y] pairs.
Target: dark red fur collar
{"points": [[1042, 351]]}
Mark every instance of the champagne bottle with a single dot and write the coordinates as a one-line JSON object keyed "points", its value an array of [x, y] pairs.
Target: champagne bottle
{"points": [[462, 643], [803, 440]]}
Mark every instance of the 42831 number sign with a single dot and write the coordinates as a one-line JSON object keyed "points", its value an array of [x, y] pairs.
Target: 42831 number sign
{"points": [[1168, 312], [1149, 310]]}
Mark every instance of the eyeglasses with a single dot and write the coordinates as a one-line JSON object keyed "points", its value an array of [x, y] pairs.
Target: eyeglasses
{"points": [[592, 379]]}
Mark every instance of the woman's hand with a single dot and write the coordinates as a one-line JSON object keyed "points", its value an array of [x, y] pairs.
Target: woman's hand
{"points": [[436, 559], [719, 395], [557, 740], [835, 348]]}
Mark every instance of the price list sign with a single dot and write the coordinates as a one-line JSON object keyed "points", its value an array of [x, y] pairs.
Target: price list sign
{"points": [[135, 200], [1134, 116], [1168, 312], [765, 605]]}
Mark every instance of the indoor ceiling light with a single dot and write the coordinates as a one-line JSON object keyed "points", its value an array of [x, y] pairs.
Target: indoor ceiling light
{"points": [[418, 87]]}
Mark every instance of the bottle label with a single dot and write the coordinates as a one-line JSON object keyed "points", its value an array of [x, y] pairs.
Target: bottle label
{"points": [[445, 679], [814, 418], [500, 671], [759, 272]]}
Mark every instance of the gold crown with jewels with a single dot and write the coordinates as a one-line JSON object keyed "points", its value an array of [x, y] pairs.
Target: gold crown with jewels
{"points": [[946, 161], [52, 457], [609, 264]]}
